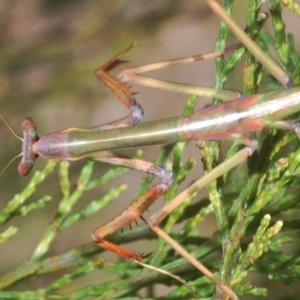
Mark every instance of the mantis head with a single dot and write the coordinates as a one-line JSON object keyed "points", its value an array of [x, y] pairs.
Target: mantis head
{"points": [[29, 138]]}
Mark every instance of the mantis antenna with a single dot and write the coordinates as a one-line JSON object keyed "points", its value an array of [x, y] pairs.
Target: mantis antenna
{"points": [[17, 136]]}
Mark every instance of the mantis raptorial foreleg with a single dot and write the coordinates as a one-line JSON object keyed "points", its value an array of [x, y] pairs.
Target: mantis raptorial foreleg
{"points": [[137, 208]]}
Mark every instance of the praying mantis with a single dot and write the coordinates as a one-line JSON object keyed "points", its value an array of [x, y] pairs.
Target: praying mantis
{"points": [[50, 146]]}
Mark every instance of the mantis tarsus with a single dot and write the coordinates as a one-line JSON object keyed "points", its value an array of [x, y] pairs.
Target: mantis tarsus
{"points": [[77, 143]]}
